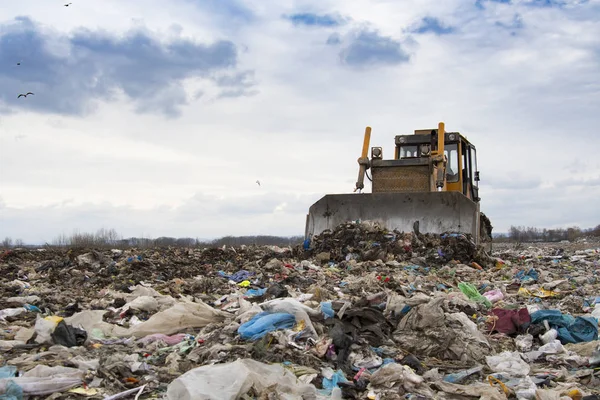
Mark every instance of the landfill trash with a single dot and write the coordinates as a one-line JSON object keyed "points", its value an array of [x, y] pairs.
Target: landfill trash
{"points": [[358, 313]]}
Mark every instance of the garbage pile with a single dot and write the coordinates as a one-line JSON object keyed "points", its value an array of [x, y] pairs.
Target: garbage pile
{"points": [[354, 313]]}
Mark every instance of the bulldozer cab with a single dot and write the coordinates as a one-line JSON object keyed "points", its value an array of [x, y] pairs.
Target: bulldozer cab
{"points": [[415, 150]]}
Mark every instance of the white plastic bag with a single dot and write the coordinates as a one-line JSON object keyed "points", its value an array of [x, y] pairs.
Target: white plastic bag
{"points": [[294, 307], [509, 363], [177, 318], [554, 347], [524, 343], [43, 380], [232, 380], [144, 303], [549, 336]]}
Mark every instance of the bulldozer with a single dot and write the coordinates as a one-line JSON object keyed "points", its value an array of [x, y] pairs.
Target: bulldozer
{"points": [[431, 185]]}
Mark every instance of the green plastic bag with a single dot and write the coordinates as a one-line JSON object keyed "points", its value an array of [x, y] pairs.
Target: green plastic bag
{"points": [[473, 294]]}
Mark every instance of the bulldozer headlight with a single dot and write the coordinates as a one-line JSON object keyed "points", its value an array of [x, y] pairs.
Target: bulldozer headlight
{"points": [[452, 136], [376, 152], [402, 139]]}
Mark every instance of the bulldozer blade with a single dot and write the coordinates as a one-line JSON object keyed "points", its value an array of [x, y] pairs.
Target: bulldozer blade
{"points": [[435, 212]]}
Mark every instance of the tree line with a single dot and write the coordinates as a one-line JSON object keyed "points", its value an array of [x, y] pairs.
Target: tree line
{"points": [[533, 234], [110, 238]]}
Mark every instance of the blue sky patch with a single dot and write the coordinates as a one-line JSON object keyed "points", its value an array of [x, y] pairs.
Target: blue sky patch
{"points": [[315, 20], [433, 25], [370, 48], [99, 65]]}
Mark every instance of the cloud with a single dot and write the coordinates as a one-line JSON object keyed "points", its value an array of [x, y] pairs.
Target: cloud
{"points": [[369, 48], [318, 20], [513, 181], [229, 10], [237, 85], [534, 3], [480, 3], [515, 24], [334, 39], [68, 73], [433, 25], [202, 215]]}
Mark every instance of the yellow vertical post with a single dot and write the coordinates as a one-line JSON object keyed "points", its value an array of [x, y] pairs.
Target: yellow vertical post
{"points": [[366, 141], [441, 137], [363, 161]]}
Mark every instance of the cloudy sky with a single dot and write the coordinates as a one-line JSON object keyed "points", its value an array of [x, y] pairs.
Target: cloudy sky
{"points": [[158, 120]]}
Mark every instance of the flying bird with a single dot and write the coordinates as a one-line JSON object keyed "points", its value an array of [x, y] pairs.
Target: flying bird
{"points": [[68, 4], [24, 95], [258, 183]]}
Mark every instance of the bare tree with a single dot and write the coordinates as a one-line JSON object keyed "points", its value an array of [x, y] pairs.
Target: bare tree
{"points": [[7, 243]]}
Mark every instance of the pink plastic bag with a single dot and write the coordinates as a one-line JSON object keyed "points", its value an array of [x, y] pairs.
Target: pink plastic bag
{"points": [[494, 295]]}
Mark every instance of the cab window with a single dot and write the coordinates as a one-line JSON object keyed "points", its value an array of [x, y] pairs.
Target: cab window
{"points": [[409, 151], [451, 152]]}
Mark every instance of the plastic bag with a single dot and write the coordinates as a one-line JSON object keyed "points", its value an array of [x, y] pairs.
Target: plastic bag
{"points": [[169, 340], [144, 303], [327, 309], [549, 336], [331, 380], [524, 343], [68, 336], [11, 312], [553, 347], [264, 323], [508, 362], [494, 295], [12, 391], [255, 292], [471, 292], [44, 328], [299, 310], [232, 380], [391, 374], [43, 380], [570, 330], [8, 371], [458, 377]]}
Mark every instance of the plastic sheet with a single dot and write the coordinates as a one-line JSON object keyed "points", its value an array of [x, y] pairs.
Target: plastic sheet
{"points": [[232, 380], [570, 330], [44, 380]]}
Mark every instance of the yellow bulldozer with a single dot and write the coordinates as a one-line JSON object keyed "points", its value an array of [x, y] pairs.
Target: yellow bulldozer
{"points": [[429, 186]]}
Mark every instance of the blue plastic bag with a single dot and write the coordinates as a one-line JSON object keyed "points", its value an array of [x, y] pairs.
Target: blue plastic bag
{"points": [[330, 384], [529, 276], [255, 292], [306, 244], [327, 309], [264, 323], [241, 275]]}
